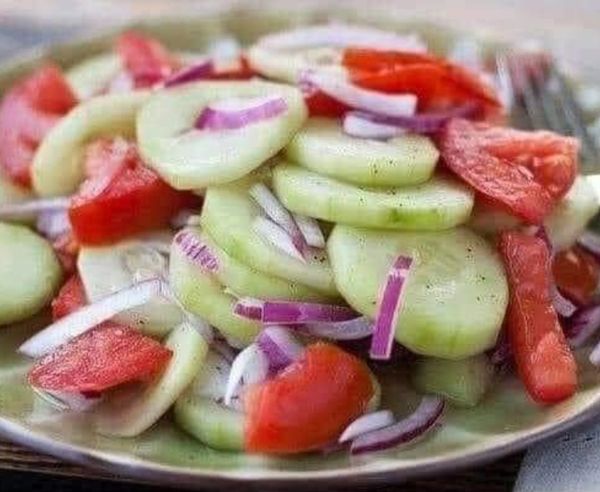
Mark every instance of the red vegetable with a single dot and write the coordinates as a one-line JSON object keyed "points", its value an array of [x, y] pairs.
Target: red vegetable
{"points": [[239, 71], [70, 298], [309, 404], [524, 173], [543, 358], [122, 197], [576, 274], [27, 112], [105, 357]]}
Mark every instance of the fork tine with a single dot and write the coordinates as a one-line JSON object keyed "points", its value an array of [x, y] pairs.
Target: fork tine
{"points": [[522, 83], [550, 106]]}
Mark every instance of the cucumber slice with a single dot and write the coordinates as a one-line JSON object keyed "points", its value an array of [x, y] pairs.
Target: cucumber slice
{"points": [[203, 295], [57, 165], [129, 414], [440, 203], [456, 295], [215, 425], [227, 217], [109, 269], [29, 273], [323, 147], [93, 74], [463, 382], [193, 159]]}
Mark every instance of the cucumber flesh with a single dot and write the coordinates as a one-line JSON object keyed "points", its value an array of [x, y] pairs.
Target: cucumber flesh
{"points": [[131, 413], [93, 74], [463, 382], [58, 163], [456, 294], [227, 216], [11, 193], [193, 159], [108, 269], [29, 273], [323, 147], [440, 203], [202, 294]]}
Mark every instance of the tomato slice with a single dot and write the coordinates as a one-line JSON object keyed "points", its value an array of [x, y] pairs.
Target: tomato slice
{"points": [[103, 358], [145, 59], [309, 404], [27, 112], [542, 355], [524, 173], [122, 197], [320, 104], [576, 274], [70, 298]]}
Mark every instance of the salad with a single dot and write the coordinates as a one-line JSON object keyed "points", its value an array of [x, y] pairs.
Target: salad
{"points": [[241, 240]]}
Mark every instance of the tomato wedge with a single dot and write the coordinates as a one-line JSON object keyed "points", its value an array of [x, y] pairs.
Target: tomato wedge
{"points": [[28, 111], [524, 173], [542, 355], [122, 197], [438, 83], [576, 274], [309, 404], [103, 358], [70, 298]]}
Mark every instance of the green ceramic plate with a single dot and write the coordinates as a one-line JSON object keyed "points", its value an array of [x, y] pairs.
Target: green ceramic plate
{"points": [[505, 422]]}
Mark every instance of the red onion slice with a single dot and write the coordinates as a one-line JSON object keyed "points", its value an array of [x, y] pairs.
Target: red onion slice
{"points": [[390, 305], [594, 357], [250, 308], [583, 326], [376, 102], [424, 418], [196, 251], [251, 366], [563, 306], [53, 223], [591, 243], [280, 347], [22, 210], [277, 236], [367, 423], [198, 71], [310, 229], [353, 329], [356, 125], [89, 316], [235, 113]]}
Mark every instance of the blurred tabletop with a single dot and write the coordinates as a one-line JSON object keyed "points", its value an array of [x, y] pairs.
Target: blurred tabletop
{"points": [[571, 29]]}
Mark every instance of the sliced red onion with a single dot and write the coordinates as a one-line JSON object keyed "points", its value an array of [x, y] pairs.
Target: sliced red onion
{"points": [[356, 125], [583, 326], [280, 347], [235, 113], [424, 418], [64, 401], [563, 306], [501, 354], [89, 316], [198, 71], [277, 236], [353, 329], [250, 308], [310, 229], [594, 357], [367, 423], [340, 36], [417, 123], [196, 251], [275, 210], [53, 223], [250, 366], [390, 305], [22, 210], [591, 243], [337, 87]]}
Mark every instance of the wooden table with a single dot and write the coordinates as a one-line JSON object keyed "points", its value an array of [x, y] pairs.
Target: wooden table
{"points": [[571, 29]]}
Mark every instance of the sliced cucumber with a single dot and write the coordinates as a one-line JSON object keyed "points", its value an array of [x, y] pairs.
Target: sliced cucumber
{"points": [[227, 217], [89, 77], [130, 414], [193, 159], [456, 295], [203, 295], [463, 382], [29, 273], [109, 269], [215, 425], [323, 147], [440, 203], [57, 165]]}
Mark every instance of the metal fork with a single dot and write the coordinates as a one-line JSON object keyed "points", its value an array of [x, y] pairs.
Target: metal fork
{"points": [[546, 101]]}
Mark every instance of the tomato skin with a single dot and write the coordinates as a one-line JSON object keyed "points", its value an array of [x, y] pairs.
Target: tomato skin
{"points": [[102, 358], [309, 404], [524, 173], [320, 104], [70, 298], [27, 112], [543, 358], [123, 198], [576, 273]]}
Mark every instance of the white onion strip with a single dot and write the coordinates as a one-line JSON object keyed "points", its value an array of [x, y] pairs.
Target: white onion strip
{"points": [[353, 329], [25, 209], [310, 229], [390, 305], [367, 423], [280, 347], [235, 113], [357, 126], [277, 236], [53, 223], [87, 317], [196, 251], [250, 366]]}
